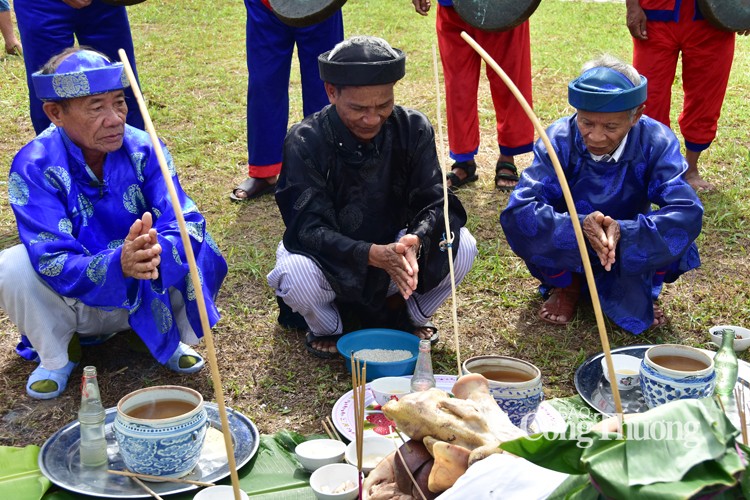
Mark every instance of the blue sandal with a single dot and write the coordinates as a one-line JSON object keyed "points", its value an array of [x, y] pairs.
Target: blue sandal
{"points": [[59, 377], [184, 350]]}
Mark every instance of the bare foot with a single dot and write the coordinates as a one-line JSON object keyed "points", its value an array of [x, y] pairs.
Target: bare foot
{"points": [[659, 317], [698, 183], [324, 345]]}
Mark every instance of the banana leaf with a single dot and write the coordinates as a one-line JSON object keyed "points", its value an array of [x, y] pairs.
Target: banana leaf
{"points": [[20, 476], [577, 487], [646, 461]]}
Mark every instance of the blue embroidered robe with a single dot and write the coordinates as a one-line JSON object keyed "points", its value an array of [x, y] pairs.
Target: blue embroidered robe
{"points": [[73, 227], [659, 214]]}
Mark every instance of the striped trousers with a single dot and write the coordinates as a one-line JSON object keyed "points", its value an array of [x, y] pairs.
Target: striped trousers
{"points": [[303, 287]]}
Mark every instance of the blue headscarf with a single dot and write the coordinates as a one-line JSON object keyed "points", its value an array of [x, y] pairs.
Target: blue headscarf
{"points": [[606, 90], [80, 74]]}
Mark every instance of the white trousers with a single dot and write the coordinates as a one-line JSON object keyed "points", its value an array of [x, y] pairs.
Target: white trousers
{"points": [[49, 320], [303, 287]]}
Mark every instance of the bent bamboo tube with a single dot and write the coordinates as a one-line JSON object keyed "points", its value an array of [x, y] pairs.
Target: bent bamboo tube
{"points": [[194, 277], [448, 234], [568, 201]]}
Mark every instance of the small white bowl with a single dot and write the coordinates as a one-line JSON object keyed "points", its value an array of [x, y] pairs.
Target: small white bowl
{"points": [[627, 369], [219, 492], [386, 388], [741, 336], [315, 453], [374, 449], [331, 477]]}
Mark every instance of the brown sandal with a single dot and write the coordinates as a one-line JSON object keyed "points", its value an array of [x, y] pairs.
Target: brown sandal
{"points": [[561, 302]]}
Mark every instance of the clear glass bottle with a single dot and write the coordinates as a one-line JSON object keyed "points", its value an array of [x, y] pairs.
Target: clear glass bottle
{"points": [[423, 377], [93, 449], [725, 364]]}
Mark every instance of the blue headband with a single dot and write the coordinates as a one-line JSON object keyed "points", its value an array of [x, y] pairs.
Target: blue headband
{"points": [[605, 90], [80, 74]]}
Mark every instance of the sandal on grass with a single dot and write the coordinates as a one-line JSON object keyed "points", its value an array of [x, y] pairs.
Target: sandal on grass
{"points": [[429, 325], [501, 174], [561, 302], [469, 168], [48, 384], [252, 188], [310, 337], [185, 360]]}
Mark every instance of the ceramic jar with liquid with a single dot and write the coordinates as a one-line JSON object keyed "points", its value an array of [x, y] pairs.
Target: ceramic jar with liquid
{"points": [[160, 430], [671, 371]]}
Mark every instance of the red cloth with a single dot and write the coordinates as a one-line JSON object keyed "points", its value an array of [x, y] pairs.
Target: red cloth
{"points": [[707, 54], [461, 68]]}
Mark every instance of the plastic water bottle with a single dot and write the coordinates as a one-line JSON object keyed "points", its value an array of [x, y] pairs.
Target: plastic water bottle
{"points": [[725, 364], [93, 449], [423, 377]]}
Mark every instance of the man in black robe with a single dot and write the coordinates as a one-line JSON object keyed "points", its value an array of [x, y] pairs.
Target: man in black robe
{"points": [[361, 195]]}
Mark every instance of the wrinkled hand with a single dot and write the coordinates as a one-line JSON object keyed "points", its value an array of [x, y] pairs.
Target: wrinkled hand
{"points": [[77, 4], [399, 260], [422, 6], [636, 20], [141, 252], [603, 233]]}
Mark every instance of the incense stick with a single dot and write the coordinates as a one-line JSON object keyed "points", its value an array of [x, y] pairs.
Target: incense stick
{"points": [[194, 275], [330, 433], [148, 490], [158, 478], [583, 250], [359, 378], [739, 398], [333, 429]]}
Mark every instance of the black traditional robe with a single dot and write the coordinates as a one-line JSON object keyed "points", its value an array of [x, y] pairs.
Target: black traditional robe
{"points": [[338, 196]]}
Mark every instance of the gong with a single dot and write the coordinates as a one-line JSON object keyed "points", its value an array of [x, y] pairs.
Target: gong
{"points": [[727, 15], [495, 15], [122, 3], [302, 13]]}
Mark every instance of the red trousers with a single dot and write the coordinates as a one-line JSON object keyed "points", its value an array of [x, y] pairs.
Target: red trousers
{"points": [[707, 54], [461, 69]]}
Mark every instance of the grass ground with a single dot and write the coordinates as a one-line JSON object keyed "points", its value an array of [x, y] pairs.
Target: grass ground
{"points": [[191, 62]]}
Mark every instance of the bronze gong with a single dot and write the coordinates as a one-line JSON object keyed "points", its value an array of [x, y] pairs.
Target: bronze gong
{"points": [[727, 15], [302, 13], [495, 15]]}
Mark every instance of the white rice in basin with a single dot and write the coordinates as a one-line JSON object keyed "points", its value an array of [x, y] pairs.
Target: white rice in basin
{"points": [[382, 355]]}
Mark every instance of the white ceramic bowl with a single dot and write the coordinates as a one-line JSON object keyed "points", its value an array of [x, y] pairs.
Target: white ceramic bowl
{"points": [[741, 336], [219, 492], [315, 453], [331, 477], [374, 449], [386, 388], [627, 369]]}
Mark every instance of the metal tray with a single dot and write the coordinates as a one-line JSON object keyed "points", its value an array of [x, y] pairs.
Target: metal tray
{"points": [[596, 391], [59, 459]]}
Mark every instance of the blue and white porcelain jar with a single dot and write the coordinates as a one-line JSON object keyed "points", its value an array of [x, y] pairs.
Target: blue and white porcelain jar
{"points": [[515, 384], [671, 371], [160, 430]]}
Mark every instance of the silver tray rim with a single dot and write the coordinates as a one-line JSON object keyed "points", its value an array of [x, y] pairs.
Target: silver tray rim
{"points": [[240, 426]]}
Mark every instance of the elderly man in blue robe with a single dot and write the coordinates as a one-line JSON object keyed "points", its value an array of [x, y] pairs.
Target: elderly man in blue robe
{"points": [[626, 175], [101, 250]]}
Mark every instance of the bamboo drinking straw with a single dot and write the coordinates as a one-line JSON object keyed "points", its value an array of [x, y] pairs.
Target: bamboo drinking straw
{"points": [[448, 234], [194, 277], [568, 201]]}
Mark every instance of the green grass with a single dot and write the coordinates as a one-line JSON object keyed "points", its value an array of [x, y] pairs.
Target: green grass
{"points": [[191, 61]]}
